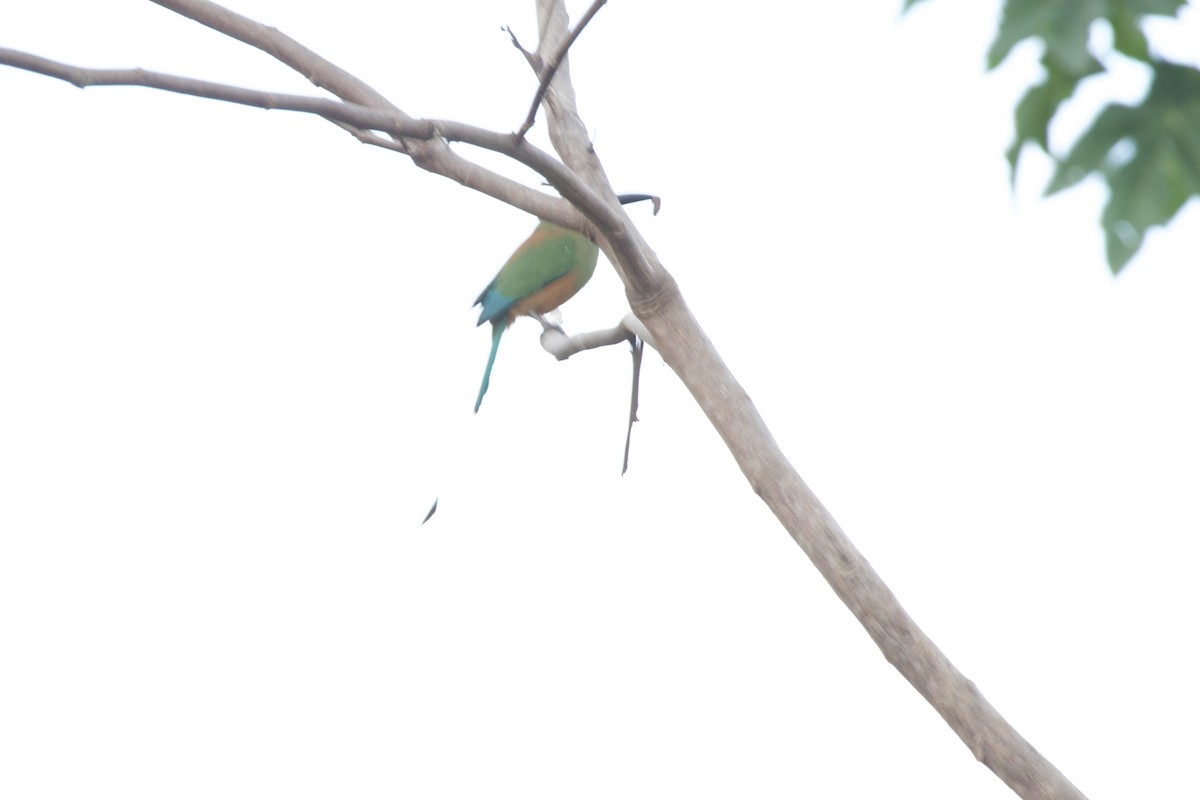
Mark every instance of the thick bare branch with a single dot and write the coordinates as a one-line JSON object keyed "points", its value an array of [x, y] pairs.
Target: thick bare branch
{"points": [[685, 347], [319, 71], [640, 269]]}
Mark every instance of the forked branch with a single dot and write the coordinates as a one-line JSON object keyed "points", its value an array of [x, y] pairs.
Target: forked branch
{"points": [[424, 140], [546, 75]]}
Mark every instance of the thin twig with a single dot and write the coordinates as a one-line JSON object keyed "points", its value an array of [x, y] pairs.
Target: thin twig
{"points": [[347, 114], [548, 74], [366, 137], [635, 345], [535, 61], [558, 344]]}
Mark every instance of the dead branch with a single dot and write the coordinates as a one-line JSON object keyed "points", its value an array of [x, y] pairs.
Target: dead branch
{"points": [[552, 68], [558, 344], [636, 348], [414, 137], [533, 59]]}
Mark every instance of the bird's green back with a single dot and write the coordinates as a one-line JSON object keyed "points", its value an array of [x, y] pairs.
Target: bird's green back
{"points": [[550, 253]]}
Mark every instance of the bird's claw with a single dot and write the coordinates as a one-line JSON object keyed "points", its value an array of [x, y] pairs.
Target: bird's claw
{"points": [[547, 325]]}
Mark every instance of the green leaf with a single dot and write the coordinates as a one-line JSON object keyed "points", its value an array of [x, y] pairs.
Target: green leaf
{"points": [[1090, 153], [1127, 36], [1124, 16], [909, 4], [1163, 172], [1141, 8], [1063, 27], [1144, 192], [1062, 24], [1149, 155], [1038, 106]]}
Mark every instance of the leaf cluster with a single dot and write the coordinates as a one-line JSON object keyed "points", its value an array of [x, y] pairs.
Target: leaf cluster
{"points": [[1148, 153]]}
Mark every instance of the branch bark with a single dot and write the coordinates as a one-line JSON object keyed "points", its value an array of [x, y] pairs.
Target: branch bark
{"points": [[655, 299], [548, 73]]}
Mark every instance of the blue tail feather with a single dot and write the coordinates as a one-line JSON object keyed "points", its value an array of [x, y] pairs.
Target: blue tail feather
{"points": [[497, 332]]}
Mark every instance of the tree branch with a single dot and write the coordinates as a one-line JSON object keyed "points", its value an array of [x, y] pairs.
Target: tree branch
{"points": [[621, 242], [679, 338], [320, 72], [366, 137], [548, 74], [413, 137], [656, 301], [636, 348], [431, 155], [558, 344], [533, 59]]}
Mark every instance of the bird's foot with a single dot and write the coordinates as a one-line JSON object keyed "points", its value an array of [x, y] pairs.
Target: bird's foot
{"points": [[547, 325]]}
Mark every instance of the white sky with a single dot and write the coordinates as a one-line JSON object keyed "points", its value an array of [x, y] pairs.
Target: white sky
{"points": [[238, 360]]}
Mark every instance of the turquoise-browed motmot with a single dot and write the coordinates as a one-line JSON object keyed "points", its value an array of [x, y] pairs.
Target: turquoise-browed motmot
{"points": [[543, 273]]}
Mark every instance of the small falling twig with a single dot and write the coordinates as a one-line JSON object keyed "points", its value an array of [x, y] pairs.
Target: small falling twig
{"points": [[636, 347], [546, 75]]}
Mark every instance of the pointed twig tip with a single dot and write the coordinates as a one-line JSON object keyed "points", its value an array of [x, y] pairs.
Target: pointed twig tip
{"points": [[545, 76]]}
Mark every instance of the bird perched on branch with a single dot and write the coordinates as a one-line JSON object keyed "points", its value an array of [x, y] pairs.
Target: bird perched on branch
{"points": [[543, 273]]}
